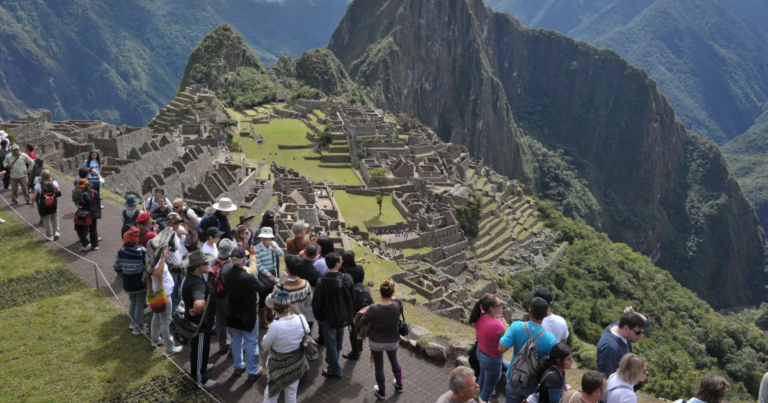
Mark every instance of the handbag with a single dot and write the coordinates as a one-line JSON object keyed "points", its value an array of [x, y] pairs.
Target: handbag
{"points": [[183, 329], [402, 325], [158, 300], [83, 217], [311, 351]]}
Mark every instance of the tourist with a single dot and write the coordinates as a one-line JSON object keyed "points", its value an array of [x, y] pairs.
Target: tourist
{"points": [[131, 212], [554, 324], [160, 214], [89, 201], [593, 386], [46, 194], [195, 294], [326, 247], [161, 321], [267, 258], [308, 271], [176, 257], [242, 236], [219, 268], [490, 326], [299, 242], [210, 247], [763, 397], [152, 202], [31, 151], [286, 363], [18, 165], [268, 220], [92, 176], [33, 177], [93, 164], [621, 385], [144, 222], [299, 290], [361, 298], [384, 336], [130, 261], [332, 306], [517, 335], [242, 297], [551, 374], [219, 219], [463, 387], [190, 218], [713, 388], [246, 220], [617, 340]]}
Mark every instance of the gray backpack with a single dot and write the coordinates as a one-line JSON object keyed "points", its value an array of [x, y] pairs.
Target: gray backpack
{"points": [[523, 369]]}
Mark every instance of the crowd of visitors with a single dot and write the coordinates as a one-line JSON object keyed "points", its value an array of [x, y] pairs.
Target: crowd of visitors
{"points": [[196, 272]]}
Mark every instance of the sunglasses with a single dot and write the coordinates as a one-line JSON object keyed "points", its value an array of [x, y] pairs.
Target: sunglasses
{"points": [[497, 305], [646, 371], [638, 332]]}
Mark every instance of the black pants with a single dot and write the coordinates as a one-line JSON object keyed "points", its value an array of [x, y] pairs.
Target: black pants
{"points": [[83, 232], [199, 348], [378, 364], [357, 345], [7, 179]]}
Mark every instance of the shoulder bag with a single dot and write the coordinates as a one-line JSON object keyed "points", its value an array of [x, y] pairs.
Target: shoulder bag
{"points": [[183, 329], [308, 343], [402, 325]]}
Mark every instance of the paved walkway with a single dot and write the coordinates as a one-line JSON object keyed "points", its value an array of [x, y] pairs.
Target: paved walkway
{"points": [[424, 380]]}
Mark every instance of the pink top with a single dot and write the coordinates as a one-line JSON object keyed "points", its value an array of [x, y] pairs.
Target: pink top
{"points": [[487, 330]]}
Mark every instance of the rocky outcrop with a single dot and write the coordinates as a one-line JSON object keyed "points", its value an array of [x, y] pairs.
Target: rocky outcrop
{"points": [[481, 79]]}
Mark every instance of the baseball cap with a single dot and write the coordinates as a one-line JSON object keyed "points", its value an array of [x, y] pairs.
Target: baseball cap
{"points": [[213, 232]]}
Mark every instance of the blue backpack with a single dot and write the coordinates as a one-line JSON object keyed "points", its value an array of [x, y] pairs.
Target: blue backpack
{"points": [[201, 227]]}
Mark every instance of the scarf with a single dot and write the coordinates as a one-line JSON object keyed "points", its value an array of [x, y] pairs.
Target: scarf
{"points": [[285, 369]]}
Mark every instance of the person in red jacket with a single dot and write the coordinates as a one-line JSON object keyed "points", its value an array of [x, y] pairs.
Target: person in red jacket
{"points": [[144, 222]]}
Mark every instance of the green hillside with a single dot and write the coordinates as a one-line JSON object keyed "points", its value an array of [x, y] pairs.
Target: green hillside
{"points": [[120, 61]]}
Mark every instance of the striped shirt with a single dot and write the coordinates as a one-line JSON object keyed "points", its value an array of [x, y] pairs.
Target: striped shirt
{"points": [[265, 261]]}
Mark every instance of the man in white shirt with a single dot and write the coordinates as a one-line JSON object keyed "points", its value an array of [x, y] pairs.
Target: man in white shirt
{"points": [[554, 324], [175, 257]]}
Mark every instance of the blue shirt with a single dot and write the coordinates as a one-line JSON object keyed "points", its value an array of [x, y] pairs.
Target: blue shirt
{"points": [[610, 349], [516, 337], [93, 164]]}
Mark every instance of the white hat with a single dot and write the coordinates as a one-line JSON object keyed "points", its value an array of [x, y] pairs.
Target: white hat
{"points": [[224, 204], [266, 232]]}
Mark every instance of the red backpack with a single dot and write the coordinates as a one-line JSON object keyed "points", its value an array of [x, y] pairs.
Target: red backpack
{"points": [[48, 195], [215, 279]]}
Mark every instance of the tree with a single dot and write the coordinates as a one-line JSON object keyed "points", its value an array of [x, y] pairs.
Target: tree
{"points": [[379, 177], [469, 218], [379, 201]]}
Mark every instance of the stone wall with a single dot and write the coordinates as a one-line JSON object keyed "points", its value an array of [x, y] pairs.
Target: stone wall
{"points": [[119, 146], [206, 142]]}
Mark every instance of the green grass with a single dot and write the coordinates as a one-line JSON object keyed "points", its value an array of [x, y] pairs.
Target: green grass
{"points": [[21, 252], [378, 270], [418, 251], [363, 210], [319, 113], [234, 218]]}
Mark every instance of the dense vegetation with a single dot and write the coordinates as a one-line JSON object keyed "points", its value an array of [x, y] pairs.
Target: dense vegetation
{"points": [[121, 61], [708, 56], [247, 87], [469, 218], [319, 68], [598, 278]]}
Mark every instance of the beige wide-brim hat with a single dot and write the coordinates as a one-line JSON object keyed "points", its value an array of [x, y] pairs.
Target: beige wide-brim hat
{"points": [[266, 232], [224, 204]]}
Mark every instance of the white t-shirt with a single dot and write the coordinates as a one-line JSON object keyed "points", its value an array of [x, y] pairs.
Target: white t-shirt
{"points": [[211, 250], [40, 188], [556, 325], [167, 279]]}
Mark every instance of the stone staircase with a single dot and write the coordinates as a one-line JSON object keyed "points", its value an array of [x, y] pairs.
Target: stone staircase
{"points": [[181, 110]]}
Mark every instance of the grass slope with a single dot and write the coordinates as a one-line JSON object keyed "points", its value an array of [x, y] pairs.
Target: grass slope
{"points": [[363, 210]]}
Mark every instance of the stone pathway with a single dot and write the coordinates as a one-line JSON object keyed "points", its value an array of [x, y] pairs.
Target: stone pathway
{"points": [[424, 380]]}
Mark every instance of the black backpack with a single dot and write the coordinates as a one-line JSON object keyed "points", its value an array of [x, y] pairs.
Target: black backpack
{"points": [[128, 222], [362, 296], [199, 211]]}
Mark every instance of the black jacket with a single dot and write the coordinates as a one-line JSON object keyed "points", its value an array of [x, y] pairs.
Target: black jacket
{"points": [[91, 201], [308, 272], [332, 302], [242, 298], [222, 223]]}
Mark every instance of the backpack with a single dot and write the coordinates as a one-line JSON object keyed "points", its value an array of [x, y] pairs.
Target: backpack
{"points": [[215, 277], [361, 296], [76, 195], [48, 196], [128, 222], [523, 369], [199, 211], [201, 227]]}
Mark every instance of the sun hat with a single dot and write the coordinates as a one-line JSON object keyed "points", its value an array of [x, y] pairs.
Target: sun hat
{"points": [[224, 204], [214, 232], [144, 217], [299, 226], [226, 246], [245, 217], [266, 232], [196, 258], [131, 200]]}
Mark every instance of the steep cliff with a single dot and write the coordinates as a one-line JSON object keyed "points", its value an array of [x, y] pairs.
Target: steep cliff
{"points": [[480, 78]]}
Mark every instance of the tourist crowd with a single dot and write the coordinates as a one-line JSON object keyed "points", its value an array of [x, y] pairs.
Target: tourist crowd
{"points": [[196, 272]]}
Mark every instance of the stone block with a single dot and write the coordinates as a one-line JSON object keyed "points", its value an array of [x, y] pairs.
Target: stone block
{"points": [[435, 351], [462, 361], [417, 332]]}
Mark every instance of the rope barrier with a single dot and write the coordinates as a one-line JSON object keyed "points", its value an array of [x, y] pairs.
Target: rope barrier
{"points": [[97, 269]]}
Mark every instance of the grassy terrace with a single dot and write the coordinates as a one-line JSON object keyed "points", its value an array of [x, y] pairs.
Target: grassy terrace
{"points": [[417, 251], [354, 213], [70, 346]]}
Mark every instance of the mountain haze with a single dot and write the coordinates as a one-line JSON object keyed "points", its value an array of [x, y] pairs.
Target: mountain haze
{"points": [[482, 79]]}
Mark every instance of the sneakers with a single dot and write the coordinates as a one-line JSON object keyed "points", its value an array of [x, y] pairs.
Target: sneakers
{"points": [[173, 352], [158, 344], [239, 371], [85, 248], [381, 394], [56, 236], [95, 248], [327, 374], [210, 384], [2, 221], [139, 331], [208, 367], [399, 388]]}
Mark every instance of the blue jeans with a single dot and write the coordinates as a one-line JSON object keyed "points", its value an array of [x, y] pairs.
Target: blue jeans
{"points": [[176, 293], [251, 340], [160, 326], [490, 373], [136, 307], [334, 341], [518, 394]]}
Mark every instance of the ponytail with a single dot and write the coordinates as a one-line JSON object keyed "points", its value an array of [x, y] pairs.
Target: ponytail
{"points": [[481, 307], [559, 353]]}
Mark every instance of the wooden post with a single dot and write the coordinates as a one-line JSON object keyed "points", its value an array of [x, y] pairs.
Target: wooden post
{"points": [[96, 274]]}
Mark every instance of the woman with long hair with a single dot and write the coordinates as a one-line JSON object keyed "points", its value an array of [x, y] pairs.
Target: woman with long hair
{"points": [[93, 163], [551, 374], [486, 317], [384, 336], [46, 193], [326, 247], [621, 385]]}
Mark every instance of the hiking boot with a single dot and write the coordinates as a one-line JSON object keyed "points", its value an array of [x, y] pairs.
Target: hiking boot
{"points": [[381, 394], [399, 388], [85, 248], [210, 384], [173, 352], [239, 371], [351, 356]]}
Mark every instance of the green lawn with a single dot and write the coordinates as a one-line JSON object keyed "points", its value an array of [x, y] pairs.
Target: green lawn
{"points": [[20, 251], [378, 270], [418, 251], [350, 206]]}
